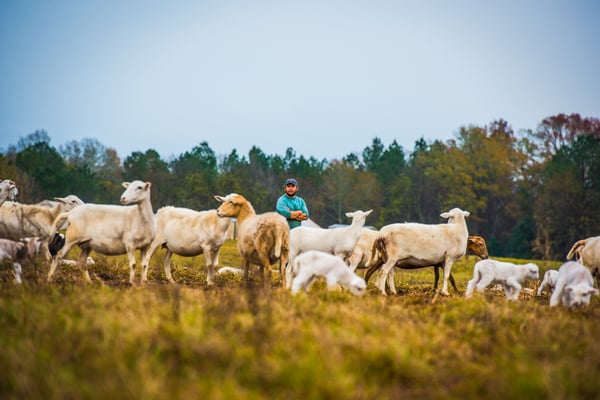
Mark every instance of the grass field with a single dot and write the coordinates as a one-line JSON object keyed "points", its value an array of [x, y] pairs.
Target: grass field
{"points": [[69, 340]]}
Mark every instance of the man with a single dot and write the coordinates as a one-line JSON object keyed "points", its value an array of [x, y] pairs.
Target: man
{"points": [[291, 206]]}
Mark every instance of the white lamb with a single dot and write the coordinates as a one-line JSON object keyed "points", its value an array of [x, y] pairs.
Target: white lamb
{"points": [[188, 233], [549, 282], [511, 276], [574, 286], [337, 241], [109, 228], [312, 264]]}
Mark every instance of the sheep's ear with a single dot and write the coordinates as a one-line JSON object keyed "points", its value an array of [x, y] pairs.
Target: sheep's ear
{"points": [[445, 215], [369, 212], [60, 200], [220, 199], [148, 184], [125, 184]]}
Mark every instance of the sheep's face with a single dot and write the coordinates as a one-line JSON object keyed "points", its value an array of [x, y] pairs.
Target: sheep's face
{"points": [[533, 272], [357, 286], [477, 245], [578, 295], [230, 206], [135, 192]]}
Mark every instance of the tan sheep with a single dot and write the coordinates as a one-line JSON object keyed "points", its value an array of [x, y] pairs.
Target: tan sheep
{"points": [[263, 239]]}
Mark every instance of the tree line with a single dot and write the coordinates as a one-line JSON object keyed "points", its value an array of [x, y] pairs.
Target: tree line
{"points": [[531, 194]]}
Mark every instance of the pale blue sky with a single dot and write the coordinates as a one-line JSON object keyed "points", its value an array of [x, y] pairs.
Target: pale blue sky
{"points": [[322, 77]]}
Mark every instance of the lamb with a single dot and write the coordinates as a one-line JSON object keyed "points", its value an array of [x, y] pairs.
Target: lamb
{"points": [[419, 245], [312, 264], [109, 229], [587, 251], [8, 190], [574, 286], [337, 241], [19, 221], [18, 251], [263, 239], [188, 233], [549, 282], [509, 275]]}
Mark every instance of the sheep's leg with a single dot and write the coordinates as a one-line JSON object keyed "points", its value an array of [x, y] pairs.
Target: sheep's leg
{"points": [[17, 272], [131, 257], [447, 270], [212, 258], [167, 266], [146, 259], [555, 299], [471, 287], [266, 270], [58, 258], [512, 289], [82, 264], [484, 282], [390, 282], [381, 278], [246, 268]]}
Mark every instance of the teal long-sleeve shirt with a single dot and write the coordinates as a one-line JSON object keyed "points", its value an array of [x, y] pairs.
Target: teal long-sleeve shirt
{"points": [[286, 204]]}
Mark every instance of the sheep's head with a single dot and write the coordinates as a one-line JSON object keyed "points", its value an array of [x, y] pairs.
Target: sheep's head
{"points": [[357, 286], [455, 214], [70, 202], [578, 295], [135, 192], [476, 244], [531, 271], [231, 205], [359, 216]]}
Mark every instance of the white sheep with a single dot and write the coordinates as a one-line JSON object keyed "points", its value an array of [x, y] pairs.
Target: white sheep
{"points": [[475, 245], [8, 190], [549, 282], [574, 286], [188, 233], [109, 229], [510, 276], [19, 221], [313, 264], [262, 239], [230, 270], [337, 241], [419, 245], [587, 252], [17, 251]]}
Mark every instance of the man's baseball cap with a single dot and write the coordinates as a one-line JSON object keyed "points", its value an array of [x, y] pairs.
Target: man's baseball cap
{"points": [[291, 181]]}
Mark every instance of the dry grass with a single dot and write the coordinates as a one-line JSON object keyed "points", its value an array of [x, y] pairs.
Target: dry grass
{"points": [[236, 341]]}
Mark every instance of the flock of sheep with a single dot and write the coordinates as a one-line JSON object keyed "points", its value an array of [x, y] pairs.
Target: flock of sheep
{"points": [[304, 254]]}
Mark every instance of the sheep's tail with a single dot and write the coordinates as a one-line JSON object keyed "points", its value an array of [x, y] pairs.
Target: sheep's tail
{"points": [[278, 246], [379, 256], [576, 250]]}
